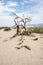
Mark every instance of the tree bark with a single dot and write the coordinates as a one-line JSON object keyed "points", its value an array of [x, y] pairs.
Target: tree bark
{"points": [[17, 29]]}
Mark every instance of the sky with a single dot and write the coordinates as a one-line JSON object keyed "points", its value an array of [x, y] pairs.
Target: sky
{"points": [[33, 8]]}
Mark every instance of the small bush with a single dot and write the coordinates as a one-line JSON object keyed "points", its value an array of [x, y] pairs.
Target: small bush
{"points": [[1, 28], [7, 29]]}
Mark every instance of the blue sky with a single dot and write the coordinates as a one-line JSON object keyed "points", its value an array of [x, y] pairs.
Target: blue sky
{"points": [[33, 8]]}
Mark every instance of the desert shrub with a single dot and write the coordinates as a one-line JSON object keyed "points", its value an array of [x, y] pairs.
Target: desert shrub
{"points": [[1, 28], [7, 28], [36, 29]]}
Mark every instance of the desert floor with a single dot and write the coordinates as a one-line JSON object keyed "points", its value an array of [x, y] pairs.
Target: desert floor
{"points": [[11, 55]]}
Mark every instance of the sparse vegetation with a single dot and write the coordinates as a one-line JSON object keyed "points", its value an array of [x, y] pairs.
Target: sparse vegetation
{"points": [[7, 29], [1, 28], [35, 29], [30, 29]]}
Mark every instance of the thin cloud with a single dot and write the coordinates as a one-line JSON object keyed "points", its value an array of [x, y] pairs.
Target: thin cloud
{"points": [[5, 9], [9, 3]]}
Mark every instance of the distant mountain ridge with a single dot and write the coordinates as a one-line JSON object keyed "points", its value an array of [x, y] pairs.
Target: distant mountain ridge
{"points": [[41, 24]]}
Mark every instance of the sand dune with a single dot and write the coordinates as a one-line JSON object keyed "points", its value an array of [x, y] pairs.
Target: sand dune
{"points": [[14, 53]]}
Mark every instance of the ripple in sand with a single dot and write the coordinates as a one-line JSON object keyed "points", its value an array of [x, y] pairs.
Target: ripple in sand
{"points": [[28, 48], [5, 40]]}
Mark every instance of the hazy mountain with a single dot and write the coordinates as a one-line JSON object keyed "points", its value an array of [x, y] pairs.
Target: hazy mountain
{"points": [[41, 24]]}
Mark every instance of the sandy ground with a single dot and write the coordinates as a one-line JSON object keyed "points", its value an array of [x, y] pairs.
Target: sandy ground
{"points": [[10, 55]]}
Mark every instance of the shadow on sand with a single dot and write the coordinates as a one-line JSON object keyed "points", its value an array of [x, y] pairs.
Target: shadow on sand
{"points": [[28, 48]]}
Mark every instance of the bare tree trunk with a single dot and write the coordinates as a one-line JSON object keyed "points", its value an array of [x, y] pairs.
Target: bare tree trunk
{"points": [[17, 29]]}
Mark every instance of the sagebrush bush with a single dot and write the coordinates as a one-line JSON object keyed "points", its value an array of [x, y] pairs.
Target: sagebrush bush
{"points": [[1, 28], [7, 29]]}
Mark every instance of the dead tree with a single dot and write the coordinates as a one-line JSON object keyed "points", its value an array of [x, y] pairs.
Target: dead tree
{"points": [[21, 19]]}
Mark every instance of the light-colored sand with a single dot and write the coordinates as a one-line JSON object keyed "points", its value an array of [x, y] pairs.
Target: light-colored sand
{"points": [[9, 55]]}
